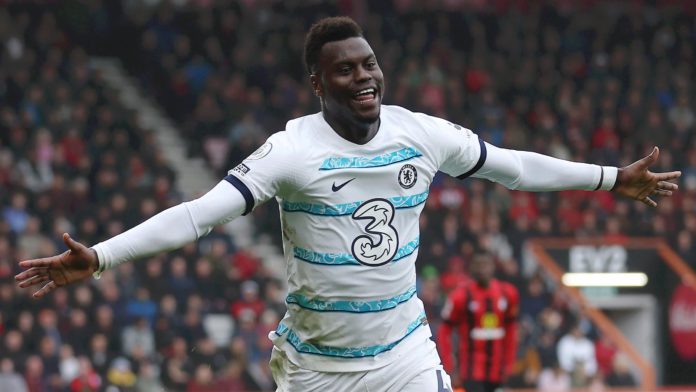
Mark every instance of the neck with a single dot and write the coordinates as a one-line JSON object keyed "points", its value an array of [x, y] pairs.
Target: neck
{"points": [[354, 131], [483, 282]]}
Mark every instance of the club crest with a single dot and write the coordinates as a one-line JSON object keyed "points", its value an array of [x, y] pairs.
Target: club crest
{"points": [[407, 176]]}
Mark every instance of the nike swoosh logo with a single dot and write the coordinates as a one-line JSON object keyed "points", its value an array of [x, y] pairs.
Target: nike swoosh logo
{"points": [[338, 188]]}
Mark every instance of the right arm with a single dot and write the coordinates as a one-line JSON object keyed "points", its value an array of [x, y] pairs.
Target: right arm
{"points": [[170, 229], [251, 183], [180, 225]]}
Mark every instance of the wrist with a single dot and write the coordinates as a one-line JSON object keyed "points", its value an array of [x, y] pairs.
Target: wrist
{"points": [[619, 178], [97, 267], [95, 259]]}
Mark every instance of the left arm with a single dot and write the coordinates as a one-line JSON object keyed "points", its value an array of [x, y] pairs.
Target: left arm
{"points": [[528, 171], [461, 153]]}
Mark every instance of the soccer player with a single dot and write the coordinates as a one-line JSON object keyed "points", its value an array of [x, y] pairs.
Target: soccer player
{"points": [[483, 313], [351, 182]]}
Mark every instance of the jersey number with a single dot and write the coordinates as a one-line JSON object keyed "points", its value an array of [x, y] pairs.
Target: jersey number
{"points": [[380, 246]]}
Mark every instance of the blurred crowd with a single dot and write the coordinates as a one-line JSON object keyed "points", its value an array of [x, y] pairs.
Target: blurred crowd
{"points": [[587, 81]]}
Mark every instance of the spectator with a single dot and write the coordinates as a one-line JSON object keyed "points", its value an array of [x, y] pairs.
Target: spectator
{"points": [[13, 346], [142, 306], [576, 354], [77, 330], [148, 378], [621, 375], [16, 214], [231, 379], [203, 380], [87, 379], [69, 365], [177, 368], [554, 379], [99, 356], [534, 300], [10, 380], [34, 374], [605, 350], [546, 347], [139, 335], [250, 301], [120, 374]]}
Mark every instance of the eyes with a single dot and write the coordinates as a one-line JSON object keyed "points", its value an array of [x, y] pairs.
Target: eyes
{"points": [[346, 69]]}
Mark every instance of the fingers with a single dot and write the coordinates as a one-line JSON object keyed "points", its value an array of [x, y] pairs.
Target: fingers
{"points": [[36, 280], [649, 202], [668, 176], [33, 277], [650, 159], [670, 186], [661, 192], [36, 263], [47, 288], [30, 273], [71, 243]]}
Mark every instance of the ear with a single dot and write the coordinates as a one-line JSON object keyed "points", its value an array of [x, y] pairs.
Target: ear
{"points": [[316, 85]]}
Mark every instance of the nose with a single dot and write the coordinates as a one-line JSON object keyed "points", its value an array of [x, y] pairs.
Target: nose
{"points": [[362, 75]]}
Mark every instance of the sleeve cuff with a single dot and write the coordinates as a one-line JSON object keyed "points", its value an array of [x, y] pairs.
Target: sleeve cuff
{"points": [[101, 258], [607, 178]]}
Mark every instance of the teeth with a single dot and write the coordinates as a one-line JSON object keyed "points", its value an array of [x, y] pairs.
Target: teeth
{"points": [[365, 91]]}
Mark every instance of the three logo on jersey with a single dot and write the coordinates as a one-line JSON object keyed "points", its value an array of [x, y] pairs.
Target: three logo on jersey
{"points": [[379, 213]]}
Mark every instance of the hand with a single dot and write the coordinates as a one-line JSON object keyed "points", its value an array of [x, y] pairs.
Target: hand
{"points": [[639, 183], [76, 263]]}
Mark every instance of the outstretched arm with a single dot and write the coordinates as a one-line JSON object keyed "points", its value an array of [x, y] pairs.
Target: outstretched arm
{"points": [[529, 171], [170, 229]]}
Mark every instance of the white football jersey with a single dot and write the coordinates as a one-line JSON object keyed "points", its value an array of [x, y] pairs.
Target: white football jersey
{"points": [[350, 227]]}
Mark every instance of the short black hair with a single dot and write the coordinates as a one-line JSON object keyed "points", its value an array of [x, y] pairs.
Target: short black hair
{"points": [[330, 29]]}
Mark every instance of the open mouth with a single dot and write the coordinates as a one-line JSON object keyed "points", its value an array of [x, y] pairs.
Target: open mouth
{"points": [[365, 95]]}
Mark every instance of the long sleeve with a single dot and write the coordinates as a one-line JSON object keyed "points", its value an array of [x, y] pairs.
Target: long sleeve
{"points": [[528, 171], [174, 227]]}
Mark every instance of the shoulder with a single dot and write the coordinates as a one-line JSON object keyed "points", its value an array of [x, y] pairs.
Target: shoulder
{"points": [[508, 289], [401, 115], [277, 147], [394, 110], [302, 127], [436, 134]]}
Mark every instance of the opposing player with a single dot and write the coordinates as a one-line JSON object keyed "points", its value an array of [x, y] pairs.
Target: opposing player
{"points": [[351, 182], [482, 312]]}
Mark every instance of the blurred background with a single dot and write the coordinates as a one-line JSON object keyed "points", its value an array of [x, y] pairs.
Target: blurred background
{"points": [[111, 111]]}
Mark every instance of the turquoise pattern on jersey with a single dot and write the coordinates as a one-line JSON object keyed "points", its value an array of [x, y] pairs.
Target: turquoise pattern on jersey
{"points": [[313, 257], [350, 306], [349, 208], [346, 352], [362, 162]]}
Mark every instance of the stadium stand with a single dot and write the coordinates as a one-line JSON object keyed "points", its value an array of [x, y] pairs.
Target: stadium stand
{"points": [[587, 81]]}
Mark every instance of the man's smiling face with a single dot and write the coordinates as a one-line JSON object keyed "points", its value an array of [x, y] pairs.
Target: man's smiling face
{"points": [[349, 81]]}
